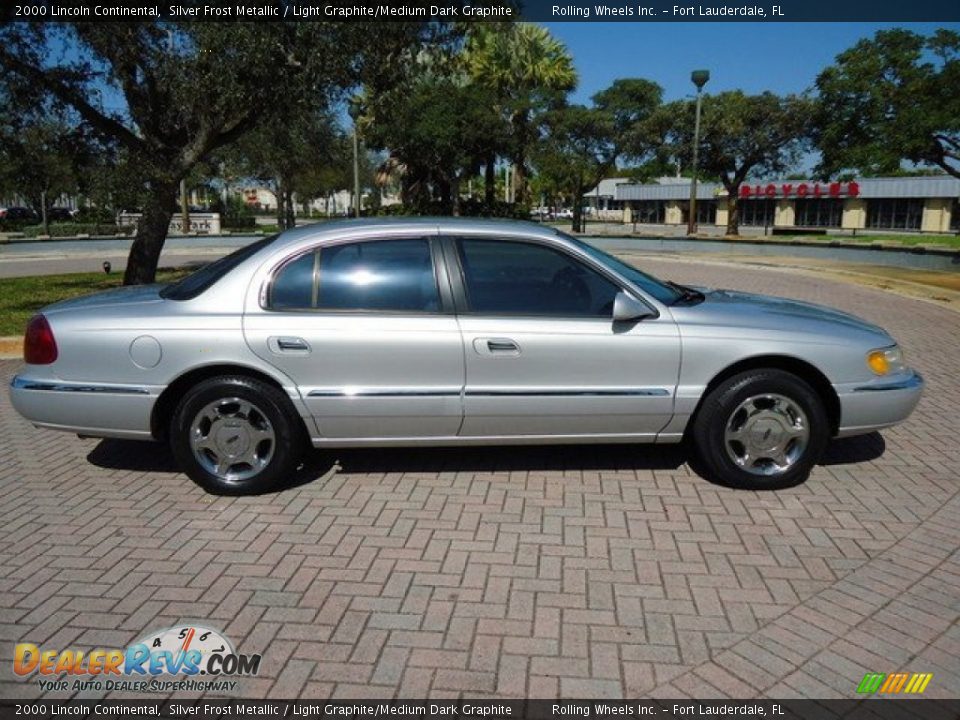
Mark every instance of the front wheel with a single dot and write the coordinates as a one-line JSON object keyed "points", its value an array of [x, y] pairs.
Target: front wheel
{"points": [[236, 435], [760, 430]]}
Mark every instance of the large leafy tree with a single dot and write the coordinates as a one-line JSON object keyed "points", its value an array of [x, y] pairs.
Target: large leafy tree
{"points": [[632, 104], [41, 161], [189, 89], [579, 151], [891, 98], [438, 131], [42, 154], [293, 159], [580, 145], [527, 70], [740, 135]]}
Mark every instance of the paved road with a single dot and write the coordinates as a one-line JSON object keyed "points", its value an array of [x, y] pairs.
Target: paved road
{"points": [[542, 572], [47, 258], [50, 258]]}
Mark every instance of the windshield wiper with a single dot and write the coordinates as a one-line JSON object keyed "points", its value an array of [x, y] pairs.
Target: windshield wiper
{"points": [[687, 294]]}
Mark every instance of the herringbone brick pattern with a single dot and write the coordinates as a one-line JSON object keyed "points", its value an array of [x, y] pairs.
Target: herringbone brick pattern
{"points": [[545, 572]]}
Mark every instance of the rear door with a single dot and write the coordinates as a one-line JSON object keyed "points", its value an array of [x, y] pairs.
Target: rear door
{"points": [[365, 331], [543, 355]]}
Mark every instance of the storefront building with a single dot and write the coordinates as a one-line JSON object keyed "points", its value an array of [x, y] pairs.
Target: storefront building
{"points": [[910, 204]]}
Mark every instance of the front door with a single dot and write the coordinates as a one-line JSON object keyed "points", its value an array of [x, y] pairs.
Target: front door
{"points": [[361, 328], [543, 355]]}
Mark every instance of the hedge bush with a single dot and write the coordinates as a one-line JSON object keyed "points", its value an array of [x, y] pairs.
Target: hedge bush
{"points": [[468, 208], [71, 229]]}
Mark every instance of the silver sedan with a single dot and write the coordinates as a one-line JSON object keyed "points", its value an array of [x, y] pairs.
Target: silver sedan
{"points": [[447, 332]]}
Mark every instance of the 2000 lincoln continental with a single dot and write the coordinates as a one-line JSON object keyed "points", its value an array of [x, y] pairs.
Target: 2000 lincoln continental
{"points": [[447, 332]]}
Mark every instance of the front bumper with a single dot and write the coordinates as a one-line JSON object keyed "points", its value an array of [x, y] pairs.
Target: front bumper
{"points": [[880, 403]]}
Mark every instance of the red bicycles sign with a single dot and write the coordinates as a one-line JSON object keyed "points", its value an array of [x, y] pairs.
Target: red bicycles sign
{"points": [[801, 190]]}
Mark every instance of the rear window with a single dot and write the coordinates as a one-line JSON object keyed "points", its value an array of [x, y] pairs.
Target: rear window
{"points": [[198, 282]]}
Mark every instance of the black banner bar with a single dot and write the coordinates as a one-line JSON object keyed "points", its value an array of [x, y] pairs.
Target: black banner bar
{"points": [[208, 709], [630, 11]]}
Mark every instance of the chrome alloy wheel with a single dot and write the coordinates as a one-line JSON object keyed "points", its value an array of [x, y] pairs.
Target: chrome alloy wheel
{"points": [[232, 438], [766, 434]]}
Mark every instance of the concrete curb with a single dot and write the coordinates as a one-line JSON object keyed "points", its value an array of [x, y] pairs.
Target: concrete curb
{"points": [[11, 348]]}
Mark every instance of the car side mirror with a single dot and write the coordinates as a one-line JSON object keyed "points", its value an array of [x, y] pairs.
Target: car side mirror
{"points": [[627, 308]]}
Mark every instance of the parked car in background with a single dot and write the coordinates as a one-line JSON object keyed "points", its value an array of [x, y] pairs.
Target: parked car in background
{"points": [[565, 214], [17, 213], [425, 332], [60, 214]]}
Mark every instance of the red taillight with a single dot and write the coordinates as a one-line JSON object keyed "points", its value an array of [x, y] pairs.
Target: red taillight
{"points": [[39, 345]]}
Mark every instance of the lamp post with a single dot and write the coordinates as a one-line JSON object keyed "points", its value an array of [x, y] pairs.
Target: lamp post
{"points": [[356, 110], [699, 78]]}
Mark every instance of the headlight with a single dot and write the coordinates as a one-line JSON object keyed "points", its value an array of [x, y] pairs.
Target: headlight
{"points": [[885, 361]]}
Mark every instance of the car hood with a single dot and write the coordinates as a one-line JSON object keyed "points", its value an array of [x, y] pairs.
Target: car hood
{"points": [[765, 312], [119, 296]]}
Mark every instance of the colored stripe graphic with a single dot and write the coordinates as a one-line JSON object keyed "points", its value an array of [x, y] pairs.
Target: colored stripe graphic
{"points": [[922, 682], [870, 683], [894, 683]]}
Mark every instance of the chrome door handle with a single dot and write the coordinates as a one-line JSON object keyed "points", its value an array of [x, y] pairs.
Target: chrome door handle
{"points": [[291, 344], [506, 346]]}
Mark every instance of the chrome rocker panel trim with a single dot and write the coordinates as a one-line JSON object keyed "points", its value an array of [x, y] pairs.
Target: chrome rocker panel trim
{"points": [[19, 383]]}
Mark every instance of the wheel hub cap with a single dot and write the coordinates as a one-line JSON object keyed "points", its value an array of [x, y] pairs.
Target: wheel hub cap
{"points": [[766, 434], [232, 438]]}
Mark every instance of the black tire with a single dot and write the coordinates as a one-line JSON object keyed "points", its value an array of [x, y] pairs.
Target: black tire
{"points": [[265, 424], [715, 452]]}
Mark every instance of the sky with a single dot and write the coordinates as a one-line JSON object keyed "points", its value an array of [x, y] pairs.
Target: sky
{"points": [[753, 57]]}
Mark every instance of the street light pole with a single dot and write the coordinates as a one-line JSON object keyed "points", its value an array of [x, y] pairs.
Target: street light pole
{"points": [[699, 78]]}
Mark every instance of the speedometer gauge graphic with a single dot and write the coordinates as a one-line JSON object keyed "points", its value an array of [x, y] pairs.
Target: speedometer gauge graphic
{"points": [[180, 640]]}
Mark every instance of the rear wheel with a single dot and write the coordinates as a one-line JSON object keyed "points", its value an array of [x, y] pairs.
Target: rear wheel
{"points": [[236, 435], [761, 430]]}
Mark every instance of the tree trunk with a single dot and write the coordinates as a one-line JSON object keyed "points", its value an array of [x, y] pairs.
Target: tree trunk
{"points": [[455, 196], [443, 185], [733, 211], [291, 219], [45, 216], [578, 213], [520, 180], [521, 125], [151, 234], [490, 181], [281, 196]]}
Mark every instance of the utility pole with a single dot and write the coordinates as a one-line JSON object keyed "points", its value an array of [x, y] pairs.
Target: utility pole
{"points": [[699, 78]]}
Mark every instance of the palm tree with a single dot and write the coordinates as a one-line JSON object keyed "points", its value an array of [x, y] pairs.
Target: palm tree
{"points": [[525, 67]]}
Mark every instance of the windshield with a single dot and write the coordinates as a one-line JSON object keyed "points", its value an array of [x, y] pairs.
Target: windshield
{"points": [[199, 281], [649, 284]]}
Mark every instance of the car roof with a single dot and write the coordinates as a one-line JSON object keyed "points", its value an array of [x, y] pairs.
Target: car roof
{"points": [[433, 225]]}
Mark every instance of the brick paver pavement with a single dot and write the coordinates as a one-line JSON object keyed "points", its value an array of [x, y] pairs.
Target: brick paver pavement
{"points": [[544, 572]]}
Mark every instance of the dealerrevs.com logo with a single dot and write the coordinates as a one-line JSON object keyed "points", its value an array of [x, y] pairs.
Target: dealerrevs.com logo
{"points": [[181, 658]]}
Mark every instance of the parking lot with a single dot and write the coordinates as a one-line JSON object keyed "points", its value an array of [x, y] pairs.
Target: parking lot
{"points": [[601, 571]]}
